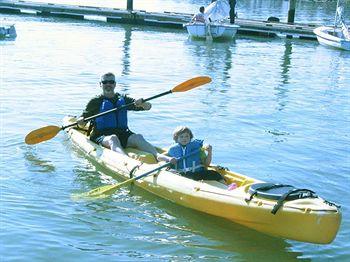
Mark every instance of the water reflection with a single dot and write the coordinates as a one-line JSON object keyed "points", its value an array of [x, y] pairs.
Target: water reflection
{"points": [[124, 86], [286, 58], [214, 58], [337, 68], [126, 51], [35, 164], [282, 89], [217, 55]]}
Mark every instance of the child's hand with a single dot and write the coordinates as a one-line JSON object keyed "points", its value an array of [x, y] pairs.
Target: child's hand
{"points": [[208, 148]]}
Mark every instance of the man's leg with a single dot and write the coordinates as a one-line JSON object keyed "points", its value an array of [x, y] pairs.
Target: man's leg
{"points": [[113, 143], [137, 141]]}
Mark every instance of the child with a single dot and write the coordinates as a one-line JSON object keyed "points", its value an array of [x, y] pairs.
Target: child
{"points": [[194, 166]]}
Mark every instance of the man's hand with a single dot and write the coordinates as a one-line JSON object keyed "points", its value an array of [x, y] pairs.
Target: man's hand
{"points": [[140, 103], [80, 121]]}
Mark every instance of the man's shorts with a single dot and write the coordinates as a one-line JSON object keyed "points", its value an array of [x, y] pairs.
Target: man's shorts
{"points": [[203, 174], [123, 136]]}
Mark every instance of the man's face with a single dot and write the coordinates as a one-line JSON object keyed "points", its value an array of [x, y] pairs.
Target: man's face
{"points": [[108, 86], [184, 138]]}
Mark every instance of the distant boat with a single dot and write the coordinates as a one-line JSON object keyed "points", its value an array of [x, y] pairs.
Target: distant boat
{"points": [[215, 28], [337, 36], [329, 36], [8, 32], [200, 30]]}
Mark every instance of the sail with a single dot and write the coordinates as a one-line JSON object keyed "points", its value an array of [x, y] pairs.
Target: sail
{"points": [[339, 19], [339, 14], [217, 10], [345, 31]]}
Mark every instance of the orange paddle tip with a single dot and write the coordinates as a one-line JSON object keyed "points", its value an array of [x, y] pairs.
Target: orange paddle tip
{"points": [[192, 83], [41, 134]]}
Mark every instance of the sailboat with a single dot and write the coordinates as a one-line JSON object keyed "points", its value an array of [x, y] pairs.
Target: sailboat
{"points": [[337, 36], [214, 28]]}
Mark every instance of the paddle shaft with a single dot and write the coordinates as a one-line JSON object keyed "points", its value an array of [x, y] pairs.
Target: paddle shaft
{"points": [[145, 174], [116, 109]]}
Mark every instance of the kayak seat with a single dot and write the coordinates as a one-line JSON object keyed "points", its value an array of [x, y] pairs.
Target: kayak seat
{"points": [[142, 156], [277, 191]]}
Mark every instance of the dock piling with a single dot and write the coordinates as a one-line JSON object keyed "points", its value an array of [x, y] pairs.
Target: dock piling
{"points": [[291, 11], [129, 5], [232, 11]]}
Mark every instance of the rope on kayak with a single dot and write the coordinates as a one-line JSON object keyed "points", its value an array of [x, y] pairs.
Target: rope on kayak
{"points": [[211, 192], [332, 203], [302, 193], [131, 175], [222, 168], [133, 170]]}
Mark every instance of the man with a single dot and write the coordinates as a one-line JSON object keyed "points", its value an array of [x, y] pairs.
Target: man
{"points": [[200, 17], [111, 130]]}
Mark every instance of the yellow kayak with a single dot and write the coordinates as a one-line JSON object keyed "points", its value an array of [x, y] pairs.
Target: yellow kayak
{"points": [[277, 210]]}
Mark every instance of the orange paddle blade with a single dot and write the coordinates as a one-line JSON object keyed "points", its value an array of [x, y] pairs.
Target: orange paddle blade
{"points": [[41, 134], [191, 83]]}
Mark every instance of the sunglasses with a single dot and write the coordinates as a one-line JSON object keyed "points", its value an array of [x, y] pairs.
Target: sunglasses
{"points": [[108, 82]]}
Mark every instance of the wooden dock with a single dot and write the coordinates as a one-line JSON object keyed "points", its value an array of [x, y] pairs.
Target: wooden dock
{"points": [[140, 17]]}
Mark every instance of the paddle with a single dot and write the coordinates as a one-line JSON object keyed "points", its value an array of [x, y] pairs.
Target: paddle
{"points": [[46, 133], [105, 191]]}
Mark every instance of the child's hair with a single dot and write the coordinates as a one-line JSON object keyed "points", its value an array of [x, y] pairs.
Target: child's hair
{"points": [[181, 129]]}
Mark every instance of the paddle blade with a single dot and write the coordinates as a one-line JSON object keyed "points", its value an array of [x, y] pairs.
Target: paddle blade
{"points": [[191, 83], [41, 134]]}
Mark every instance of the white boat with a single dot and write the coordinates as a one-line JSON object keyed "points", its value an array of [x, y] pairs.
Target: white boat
{"points": [[8, 32], [215, 27], [329, 36], [337, 36], [201, 30]]}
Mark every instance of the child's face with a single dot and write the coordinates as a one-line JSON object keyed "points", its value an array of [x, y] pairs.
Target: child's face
{"points": [[184, 138]]}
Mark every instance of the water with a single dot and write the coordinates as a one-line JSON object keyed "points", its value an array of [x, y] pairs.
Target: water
{"points": [[277, 110]]}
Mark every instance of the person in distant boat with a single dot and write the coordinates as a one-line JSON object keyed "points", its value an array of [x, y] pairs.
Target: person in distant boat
{"points": [[195, 165], [111, 130], [200, 17]]}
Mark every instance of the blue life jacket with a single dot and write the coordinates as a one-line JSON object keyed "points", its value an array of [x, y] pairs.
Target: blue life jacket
{"points": [[191, 163], [116, 119]]}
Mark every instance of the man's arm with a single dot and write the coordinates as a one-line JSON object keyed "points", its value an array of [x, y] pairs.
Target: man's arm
{"points": [[92, 108]]}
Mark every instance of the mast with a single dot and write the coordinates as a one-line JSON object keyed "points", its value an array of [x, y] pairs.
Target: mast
{"points": [[336, 15]]}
